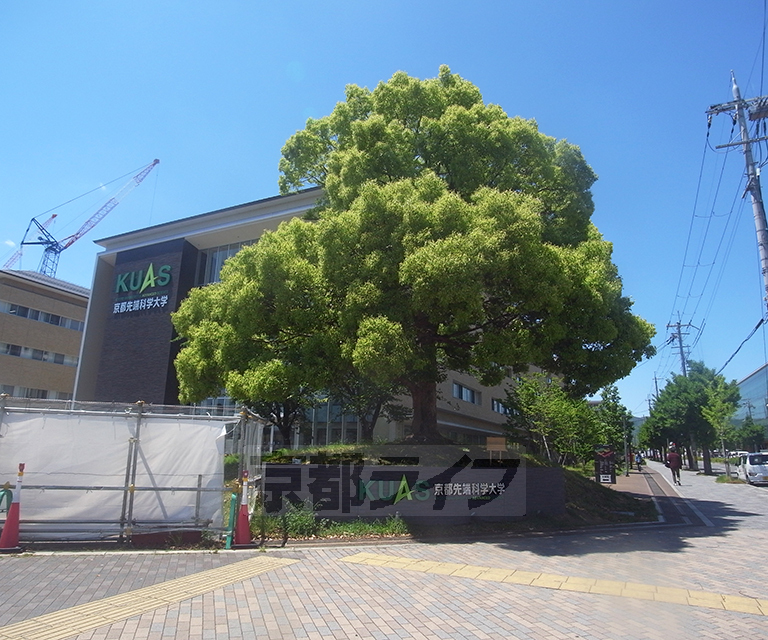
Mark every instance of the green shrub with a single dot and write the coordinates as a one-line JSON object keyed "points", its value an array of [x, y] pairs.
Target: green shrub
{"points": [[302, 521]]}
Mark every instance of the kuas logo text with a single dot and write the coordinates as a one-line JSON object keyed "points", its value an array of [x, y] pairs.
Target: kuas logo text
{"points": [[143, 279]]}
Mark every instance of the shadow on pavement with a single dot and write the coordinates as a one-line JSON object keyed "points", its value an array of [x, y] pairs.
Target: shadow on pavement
{"points": [[685, 519]]}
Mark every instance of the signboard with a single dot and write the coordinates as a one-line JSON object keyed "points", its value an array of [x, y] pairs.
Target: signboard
{"points": [[142, 289], [605, 464], [429, 482]]}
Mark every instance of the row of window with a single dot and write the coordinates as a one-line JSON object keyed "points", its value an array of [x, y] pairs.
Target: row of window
{"points": [[7, 349], [29, 392], [498, 406], [465, 393], [41, 316], [475, 397]]}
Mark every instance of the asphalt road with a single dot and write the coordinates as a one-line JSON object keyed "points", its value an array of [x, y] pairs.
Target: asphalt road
{"points": [[697, 575]]}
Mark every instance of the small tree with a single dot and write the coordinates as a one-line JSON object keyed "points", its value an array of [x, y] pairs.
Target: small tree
{"points": [[718, 411], [614, 418], [368, 401], [286, 415], [549, 421]]}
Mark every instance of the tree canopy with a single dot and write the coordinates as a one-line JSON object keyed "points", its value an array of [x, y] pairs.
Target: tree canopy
{"points": [[552, 423], [687, 407], [449, 237]]}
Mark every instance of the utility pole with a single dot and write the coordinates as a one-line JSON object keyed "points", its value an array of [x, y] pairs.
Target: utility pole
{"points": [[756, 109], [678, 335]]}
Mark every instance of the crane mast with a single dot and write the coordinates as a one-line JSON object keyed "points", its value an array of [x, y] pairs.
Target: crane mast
{"points": [[17, 254]]}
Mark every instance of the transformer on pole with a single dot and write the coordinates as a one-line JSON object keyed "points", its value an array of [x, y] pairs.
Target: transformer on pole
{"points": [[756, 109]]}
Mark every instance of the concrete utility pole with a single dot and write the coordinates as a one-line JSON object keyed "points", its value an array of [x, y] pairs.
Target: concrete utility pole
{"points": [[756, 109], [679, 336]]}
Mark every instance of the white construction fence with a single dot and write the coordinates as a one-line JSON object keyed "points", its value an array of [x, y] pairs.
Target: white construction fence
{"points": [[95, 471]]}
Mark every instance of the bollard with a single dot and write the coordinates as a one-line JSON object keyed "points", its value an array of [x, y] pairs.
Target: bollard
{"points": [[9, 538]]}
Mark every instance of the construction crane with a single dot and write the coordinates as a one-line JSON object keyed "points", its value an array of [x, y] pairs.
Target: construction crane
{"points": [[53, 248], [15, 257]]}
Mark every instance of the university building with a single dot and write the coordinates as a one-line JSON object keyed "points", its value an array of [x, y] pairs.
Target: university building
{"points": [[142, 276], [754, 398], [41, 328]]}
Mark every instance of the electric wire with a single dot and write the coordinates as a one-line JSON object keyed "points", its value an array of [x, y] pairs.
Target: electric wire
{"points": [[699, 258], [706, 275], [732, 226], [690, 227], [743, 342]]}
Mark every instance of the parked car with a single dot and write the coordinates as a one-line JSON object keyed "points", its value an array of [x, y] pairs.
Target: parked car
{"points": [[753, 468]]}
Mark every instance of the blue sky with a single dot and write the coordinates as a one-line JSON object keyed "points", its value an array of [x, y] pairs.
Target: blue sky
{"points": [[95, 90]]}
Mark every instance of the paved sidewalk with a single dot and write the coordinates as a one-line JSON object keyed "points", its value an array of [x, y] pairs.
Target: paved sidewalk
{"points": [[687, 580]]}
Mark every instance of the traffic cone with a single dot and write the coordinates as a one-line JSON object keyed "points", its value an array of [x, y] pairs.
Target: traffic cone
{"points": [[243, 528], [9, 538]]}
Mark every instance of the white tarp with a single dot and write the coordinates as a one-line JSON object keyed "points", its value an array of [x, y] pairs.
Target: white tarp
{"points": [[91, 453]]}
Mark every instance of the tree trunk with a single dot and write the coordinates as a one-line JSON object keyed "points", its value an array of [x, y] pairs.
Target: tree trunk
{"points": [[693, 463], [424, 423], [286, 432], [725, 457], [368, 424], [707, 461]]}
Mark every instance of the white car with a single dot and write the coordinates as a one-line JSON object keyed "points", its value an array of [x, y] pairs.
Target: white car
{"points": [[753, 468]]}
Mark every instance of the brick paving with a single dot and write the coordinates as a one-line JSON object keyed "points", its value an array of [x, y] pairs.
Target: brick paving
{"points": [[708, 552]]}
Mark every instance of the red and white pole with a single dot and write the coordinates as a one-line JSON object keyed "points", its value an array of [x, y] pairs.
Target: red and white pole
{"points": [[243, 527], [9, 538]]}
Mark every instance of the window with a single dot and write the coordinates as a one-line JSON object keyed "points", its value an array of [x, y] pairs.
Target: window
{"points": [[11, 350], [29, 392], [18, 310], [498, 406], [466, 394], [37, 354], [41, 316]]}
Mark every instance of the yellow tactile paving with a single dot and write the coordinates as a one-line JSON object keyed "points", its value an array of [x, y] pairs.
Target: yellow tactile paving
{"points": [[84, 617], [638, 591]]}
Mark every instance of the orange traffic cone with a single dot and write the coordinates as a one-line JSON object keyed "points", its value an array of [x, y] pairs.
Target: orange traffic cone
{"points": [[243, 527], [9, 538]]}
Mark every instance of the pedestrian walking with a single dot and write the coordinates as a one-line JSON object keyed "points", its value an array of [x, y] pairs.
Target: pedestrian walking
{"points": [[675, 463], [639, 461]]}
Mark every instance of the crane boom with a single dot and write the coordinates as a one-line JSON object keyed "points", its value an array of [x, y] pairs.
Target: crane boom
{"points": [[17, 254], [53, 248], [110, 204]]}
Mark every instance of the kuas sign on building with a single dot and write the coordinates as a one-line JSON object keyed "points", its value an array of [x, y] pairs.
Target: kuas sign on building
{"points": [[142, 289]]}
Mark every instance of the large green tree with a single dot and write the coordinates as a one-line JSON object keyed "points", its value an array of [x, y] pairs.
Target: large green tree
{"points": [[449, 237], [678, 416]]}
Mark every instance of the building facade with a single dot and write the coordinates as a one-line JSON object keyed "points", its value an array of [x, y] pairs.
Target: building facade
{"points": [[41, 330], [754, 398], [142, 276]]}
